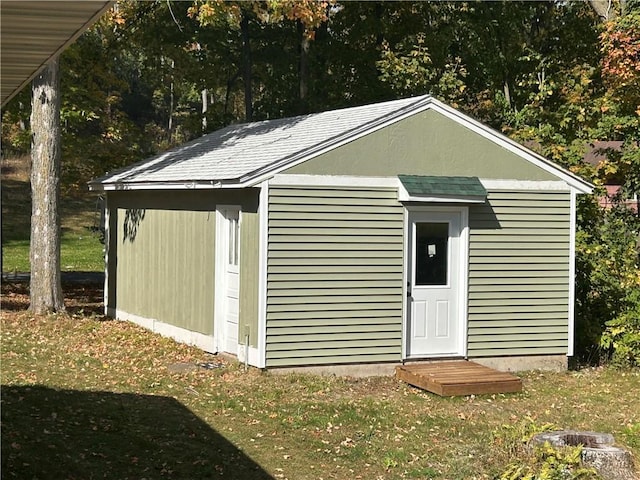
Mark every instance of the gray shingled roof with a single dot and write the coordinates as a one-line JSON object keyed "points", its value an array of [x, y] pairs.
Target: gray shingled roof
{"points": [[238, 152]]}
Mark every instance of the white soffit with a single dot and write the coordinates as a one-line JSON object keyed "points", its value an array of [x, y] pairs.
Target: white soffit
{"points": [[33, 32]]}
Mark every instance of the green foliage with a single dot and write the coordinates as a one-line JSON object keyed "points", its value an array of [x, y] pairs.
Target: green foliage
{"points": [[550, 463], [631, 435], [622, 334], [541, 462], [410, 71], [513, 438], [16, 136], [607, 283]]}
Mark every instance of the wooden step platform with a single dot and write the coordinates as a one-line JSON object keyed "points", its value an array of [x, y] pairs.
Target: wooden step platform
{"points": [[459, 377]]}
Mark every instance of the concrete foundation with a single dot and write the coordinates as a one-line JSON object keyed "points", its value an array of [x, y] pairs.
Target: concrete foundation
{"points": [[555, 363], [358, 370], [552, 363]]}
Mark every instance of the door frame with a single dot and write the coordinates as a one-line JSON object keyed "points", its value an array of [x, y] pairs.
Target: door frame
{"points": [[463, 275], [221, 256]]}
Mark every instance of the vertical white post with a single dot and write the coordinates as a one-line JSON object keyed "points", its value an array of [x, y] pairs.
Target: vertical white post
{"points": [[572, 272]]}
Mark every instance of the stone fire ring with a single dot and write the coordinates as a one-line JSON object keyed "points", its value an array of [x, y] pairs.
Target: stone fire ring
{"points": [[598, 451]]}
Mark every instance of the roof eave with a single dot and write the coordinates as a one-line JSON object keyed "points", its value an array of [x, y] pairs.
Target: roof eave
{"points": [[103, 6], [173, 185]]}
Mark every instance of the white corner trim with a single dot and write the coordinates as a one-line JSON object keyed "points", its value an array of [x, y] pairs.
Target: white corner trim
{"points": [[572, 274], [179, 334], [543, 185], [333, 181], [405, 282], [464, 279], [254, 357], [218, 298], [263, 212]]}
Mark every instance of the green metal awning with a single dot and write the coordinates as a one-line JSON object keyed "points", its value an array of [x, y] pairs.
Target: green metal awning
{"points": [[441, 189]]}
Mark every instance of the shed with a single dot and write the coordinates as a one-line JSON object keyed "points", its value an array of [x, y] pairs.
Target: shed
{"points": [[352, 240]]}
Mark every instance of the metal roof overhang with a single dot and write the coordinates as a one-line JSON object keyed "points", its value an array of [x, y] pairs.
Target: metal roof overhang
{"points": [[33, 32], [418, 188]]}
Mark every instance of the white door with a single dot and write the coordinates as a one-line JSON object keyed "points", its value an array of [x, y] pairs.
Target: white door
{"points": [[229, 277], [435, 326]]}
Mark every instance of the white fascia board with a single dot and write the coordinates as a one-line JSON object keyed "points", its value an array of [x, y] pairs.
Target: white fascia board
{"points": [[333, 181], [580, 185], [394, 182], [511, 185], [183, 185]]}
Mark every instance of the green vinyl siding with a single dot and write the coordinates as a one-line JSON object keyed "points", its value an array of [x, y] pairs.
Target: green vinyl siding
{"points": [[164, 245], [165, 267], [519, 274], [249, 275], [427, 143], [334, 276]]}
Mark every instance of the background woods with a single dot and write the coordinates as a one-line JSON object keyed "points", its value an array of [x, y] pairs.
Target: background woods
{"points": [[563, 77]]}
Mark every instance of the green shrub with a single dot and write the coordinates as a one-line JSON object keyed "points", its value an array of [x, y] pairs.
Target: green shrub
{"points": [[622, 334], [550, 463], [607, 284], [542, 462]]}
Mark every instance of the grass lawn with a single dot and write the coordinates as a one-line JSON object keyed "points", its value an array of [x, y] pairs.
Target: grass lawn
{"points": [[85, 397], [77, 253], [80, 250]]}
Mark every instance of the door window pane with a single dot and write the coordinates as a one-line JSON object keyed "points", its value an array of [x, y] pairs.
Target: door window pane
{"points": [[234, 239], [432, 253]]}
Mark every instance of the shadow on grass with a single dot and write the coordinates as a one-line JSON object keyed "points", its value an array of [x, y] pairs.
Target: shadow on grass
{"points": [[70, 434]]}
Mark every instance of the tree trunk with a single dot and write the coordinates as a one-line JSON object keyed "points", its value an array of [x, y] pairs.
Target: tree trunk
{"points": [[205, 107], [303, 69], [45, 288], [604, 8], [171, 102], [507, 92], [246, 68]]}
